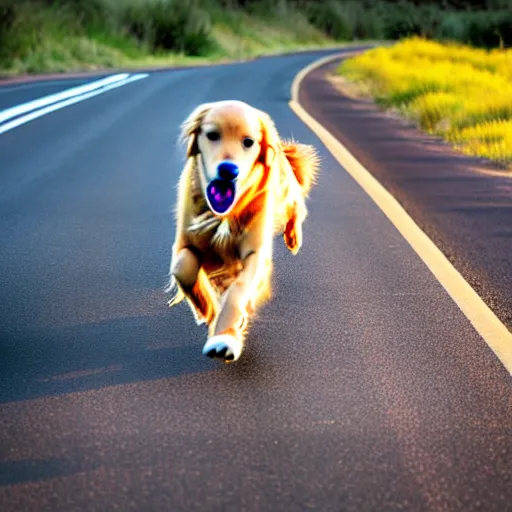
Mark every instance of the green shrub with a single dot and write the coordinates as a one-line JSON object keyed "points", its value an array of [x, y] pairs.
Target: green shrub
{"points": [[8, 16], [487, 29], [88, 13], [453, 27], [368, 24], [331, 17], [169, 25], [24, 27], [400, 20], [490, 29], [404, 19], [269, 8]]}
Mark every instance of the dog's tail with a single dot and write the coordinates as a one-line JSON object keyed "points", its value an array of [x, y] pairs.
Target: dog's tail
{"points": [[304, 161]]}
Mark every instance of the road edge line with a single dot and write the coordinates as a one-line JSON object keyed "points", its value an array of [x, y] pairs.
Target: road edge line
{"points": [[482, 318]]}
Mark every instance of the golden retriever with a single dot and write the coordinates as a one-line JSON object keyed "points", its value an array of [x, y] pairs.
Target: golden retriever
{"points": [[240, 186]]}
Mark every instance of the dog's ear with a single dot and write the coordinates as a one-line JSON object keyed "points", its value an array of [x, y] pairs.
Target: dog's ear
{"points": [[270, 140], [191, 127]]}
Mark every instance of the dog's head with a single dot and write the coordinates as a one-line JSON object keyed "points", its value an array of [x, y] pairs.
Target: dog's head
{"points": [[236, 145]]}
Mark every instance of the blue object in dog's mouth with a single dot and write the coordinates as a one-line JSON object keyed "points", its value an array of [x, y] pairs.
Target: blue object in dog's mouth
{"points": [[221, 195]]}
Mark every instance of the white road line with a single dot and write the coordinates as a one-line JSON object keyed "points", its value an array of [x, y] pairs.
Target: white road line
{"points": [[18, 110], [52, 108]]}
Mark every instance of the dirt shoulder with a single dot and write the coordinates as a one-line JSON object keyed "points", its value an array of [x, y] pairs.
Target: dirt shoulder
{"points": [[464, 204]]}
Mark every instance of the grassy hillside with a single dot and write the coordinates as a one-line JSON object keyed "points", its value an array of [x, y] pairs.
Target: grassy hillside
{"points": [[41, 36], [460, 93], [66, 35]]}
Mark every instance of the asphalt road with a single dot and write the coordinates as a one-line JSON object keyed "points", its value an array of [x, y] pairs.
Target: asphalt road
{"points": [[363, 386]]}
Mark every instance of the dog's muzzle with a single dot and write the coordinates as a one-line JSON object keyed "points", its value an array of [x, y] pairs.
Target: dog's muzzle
{"points": [[221, 191]]}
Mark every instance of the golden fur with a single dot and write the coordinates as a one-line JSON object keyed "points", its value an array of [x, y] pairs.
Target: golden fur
{"points": [[222, 264]]}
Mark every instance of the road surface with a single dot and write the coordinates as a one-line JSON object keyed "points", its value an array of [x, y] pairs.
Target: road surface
{"points": [[363, 386], [463, 203]]}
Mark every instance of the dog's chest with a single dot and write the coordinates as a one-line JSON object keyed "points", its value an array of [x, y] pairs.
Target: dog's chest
{"points": [[212, 234]]}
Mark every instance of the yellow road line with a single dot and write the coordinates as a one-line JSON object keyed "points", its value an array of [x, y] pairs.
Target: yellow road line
{"points": [[486, 323]]}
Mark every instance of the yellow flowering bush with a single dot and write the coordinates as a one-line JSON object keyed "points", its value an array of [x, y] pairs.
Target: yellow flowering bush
{"points": [[461, 93]]}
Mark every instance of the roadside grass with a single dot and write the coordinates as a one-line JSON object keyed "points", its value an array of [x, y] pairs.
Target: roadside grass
{"points": [[38, 36], [460, 93], [42, 38], [239, 34]]}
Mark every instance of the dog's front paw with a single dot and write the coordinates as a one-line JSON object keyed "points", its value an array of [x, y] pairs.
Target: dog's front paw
{"points": [[223, 346], [293, 236]]}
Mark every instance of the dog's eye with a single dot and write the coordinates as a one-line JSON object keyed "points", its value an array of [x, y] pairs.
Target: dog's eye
{"points": [[213, 136], [248, 142]]}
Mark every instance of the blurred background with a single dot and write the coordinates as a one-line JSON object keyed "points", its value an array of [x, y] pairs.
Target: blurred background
{"points": [[68, 35]]}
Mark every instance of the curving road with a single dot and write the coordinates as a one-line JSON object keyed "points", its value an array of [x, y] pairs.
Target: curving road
{"points": [[363, 386]]}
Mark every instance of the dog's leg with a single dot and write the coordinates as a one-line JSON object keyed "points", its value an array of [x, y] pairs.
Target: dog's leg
{"points": [[293, 234], [195, 285], [293, 229], [249, 289], [188, 279], [240, 299]]}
